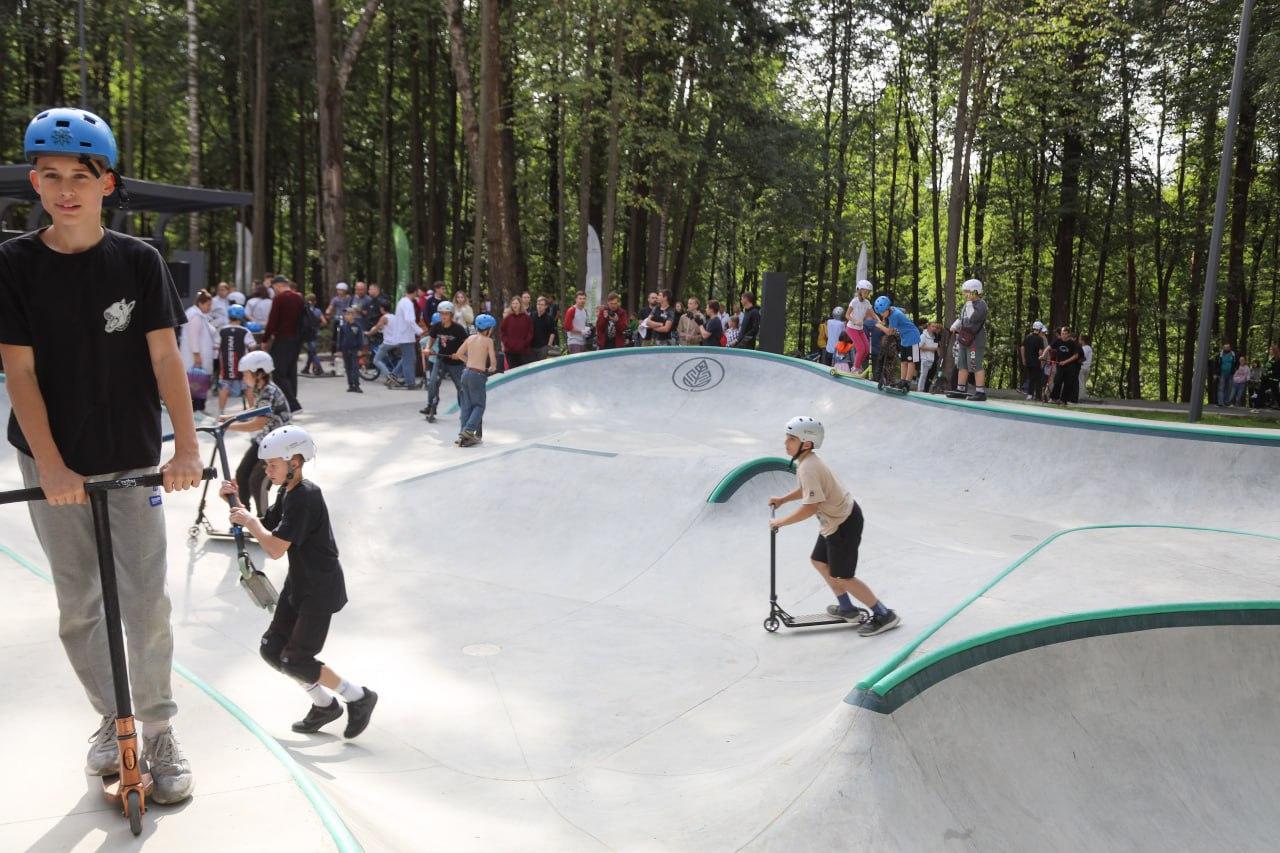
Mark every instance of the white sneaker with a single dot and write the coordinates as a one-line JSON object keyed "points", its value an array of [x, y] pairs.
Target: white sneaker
{"points": [[169, 769], [104, 753]]}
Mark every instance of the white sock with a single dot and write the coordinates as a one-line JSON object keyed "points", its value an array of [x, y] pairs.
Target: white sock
{"points": [[350, 692], [151, 730], [320, 697]]}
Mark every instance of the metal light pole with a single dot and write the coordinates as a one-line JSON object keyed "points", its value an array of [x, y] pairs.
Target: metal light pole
{"points": [[1219, 217]]}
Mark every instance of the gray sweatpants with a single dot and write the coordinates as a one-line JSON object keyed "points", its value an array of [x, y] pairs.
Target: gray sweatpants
{"points": [[138, 541]]}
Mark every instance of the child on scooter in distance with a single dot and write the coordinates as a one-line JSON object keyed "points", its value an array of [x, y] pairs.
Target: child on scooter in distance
{"points": [[298, 525]]}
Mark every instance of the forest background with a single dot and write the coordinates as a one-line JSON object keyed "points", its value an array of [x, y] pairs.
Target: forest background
{"points": [[708, 141]]}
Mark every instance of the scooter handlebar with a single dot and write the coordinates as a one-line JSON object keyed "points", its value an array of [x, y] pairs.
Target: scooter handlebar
{"points": [[144, 481], [260, 412]]}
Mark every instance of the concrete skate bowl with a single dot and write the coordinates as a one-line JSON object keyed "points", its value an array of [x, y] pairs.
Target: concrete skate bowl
{"points": [[1140, 729]]}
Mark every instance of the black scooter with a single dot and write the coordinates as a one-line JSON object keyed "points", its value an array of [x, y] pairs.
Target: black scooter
{"points": [[219, 432], [129, 787], [779, 617]]}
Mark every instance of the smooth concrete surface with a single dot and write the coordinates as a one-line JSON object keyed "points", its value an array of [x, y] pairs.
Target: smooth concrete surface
{"points": [[567, 638]]}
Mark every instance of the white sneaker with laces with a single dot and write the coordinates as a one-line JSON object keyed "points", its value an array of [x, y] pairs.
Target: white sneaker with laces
{"points": [[169, 768], [104, 753]]}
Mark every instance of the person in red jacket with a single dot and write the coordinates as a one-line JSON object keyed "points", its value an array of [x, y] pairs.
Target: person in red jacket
{"points": [[283, 337], [611, 324], [516, 332]]}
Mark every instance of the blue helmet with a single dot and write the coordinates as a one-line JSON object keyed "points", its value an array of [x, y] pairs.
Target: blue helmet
{"points": [[485, 322], [882, 304], [435, 318], [235, 312], [71, 132], [254, 327]]}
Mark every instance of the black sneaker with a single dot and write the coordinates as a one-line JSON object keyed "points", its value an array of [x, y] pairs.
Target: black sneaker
{"points": [[318, 717], [978, 396], [425, 410], [840, 613], [879, 624], [359, 712]]}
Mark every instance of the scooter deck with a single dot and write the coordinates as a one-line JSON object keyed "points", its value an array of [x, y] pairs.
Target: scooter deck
{"points": [[812, 620], [959, 395], [889, 389]]}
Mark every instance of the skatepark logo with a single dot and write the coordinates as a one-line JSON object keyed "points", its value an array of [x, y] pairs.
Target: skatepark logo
{"points": [[698, 374], [118, 315]]}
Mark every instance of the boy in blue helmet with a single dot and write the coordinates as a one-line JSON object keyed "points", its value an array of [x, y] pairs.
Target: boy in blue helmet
{"points": [[87, 319], [481, 359], [234, 340], [894, 320]]}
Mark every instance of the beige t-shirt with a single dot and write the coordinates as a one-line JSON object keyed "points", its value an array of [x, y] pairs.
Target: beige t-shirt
{"points": [[820, 487]]}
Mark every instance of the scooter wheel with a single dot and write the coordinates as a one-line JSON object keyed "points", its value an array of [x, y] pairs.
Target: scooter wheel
{"points": [[133, 805], [193, 533], [771, 624]]}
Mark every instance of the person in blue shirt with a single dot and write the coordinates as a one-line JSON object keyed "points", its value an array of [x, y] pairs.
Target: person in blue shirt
{"points": [[894, 320]]}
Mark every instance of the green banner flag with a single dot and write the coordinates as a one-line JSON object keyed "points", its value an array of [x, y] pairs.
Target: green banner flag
{"points": [[403, 259]]}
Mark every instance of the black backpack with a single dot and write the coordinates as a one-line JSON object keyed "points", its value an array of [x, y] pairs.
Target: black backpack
{"points": [[310, 324]]}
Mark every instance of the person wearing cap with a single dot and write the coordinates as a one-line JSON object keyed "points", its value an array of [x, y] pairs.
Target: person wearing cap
{"points": [[87, 320], [337, 309], [256, 370], [970, 329], [298, 526], [283, 337], [447, 338], [1029, 357], [840, 523]]}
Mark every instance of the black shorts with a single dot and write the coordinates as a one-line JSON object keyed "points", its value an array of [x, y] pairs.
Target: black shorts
{"points": [[911, 353], [295, 637], [839, 551]]}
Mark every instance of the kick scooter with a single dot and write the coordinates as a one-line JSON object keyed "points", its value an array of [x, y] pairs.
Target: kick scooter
{"points": [[253, 579], [778, 617], [129, 787], [219, 432]]}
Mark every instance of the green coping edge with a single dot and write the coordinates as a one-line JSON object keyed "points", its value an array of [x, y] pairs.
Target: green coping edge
{"points": [[1229, 435], [342, 837], [898, 659], [737, 478], [904, 684]]}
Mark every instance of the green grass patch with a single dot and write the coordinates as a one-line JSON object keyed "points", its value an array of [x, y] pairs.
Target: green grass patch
{"points": [[1208, 419]]}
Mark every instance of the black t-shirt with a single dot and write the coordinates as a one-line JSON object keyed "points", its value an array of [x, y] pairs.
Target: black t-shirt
{"points": [[716, 328], [301, 518], [1032, 344], [544, 327], [660, 316], [450, 338], [86, 317], [231, 348], [1063, 350]]}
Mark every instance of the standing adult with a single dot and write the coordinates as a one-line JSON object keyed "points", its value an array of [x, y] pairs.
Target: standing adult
{"points": [[611, 324], [516, 332], [749, 332], [221, 302], [689, 326], [1271, 376], [283, 337], [575, 323], [544, 329], [337, 309], [1029, 357], [1086, 364], [401, 334], [463, 312], [661, 321], [379, 298], [1226, 367], [712, 330], [363, 305], [198, 348], [258, 308], [1067, 355]]}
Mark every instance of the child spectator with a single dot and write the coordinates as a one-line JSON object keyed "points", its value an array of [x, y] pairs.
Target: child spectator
{"points": [[842, 358], [855, 317], [234, 341], [893, 320], [298, 525], [350, 338], [970, 329], [928, 354], [1239, 381], [834, 328], [731, 333]]}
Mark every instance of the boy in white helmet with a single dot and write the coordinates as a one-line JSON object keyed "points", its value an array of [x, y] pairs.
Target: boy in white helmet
{"points": [[970, 329], [298, 525], [854, 317], [835, 555]]}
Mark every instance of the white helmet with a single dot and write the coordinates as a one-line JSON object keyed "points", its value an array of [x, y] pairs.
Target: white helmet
{"points": [[865, 285], [286, 442], [972, 284], [837, 312], [236, 296], [1038, 326], [806, 429], [257, 360], [445, 307]]}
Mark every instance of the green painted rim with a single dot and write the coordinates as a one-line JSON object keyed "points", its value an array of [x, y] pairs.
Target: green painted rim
{"points": [[738, 477], [1229, 435], [333, 823], [904, 684]]}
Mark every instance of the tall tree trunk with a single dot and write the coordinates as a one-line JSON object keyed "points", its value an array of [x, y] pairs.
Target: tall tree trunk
{"points": [[1068, 195], [890, 242], [842, 174], [913, 144], [986, 163], [611, 168], [1104, 248], [935, 170], [1198, 260], [193, 118], [386, 268], [958, 170], [331, 84], [1241, 181], [685, 246], [1133, 379], [586, 131], [474, 138], [260, 240], [421, 225]]}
